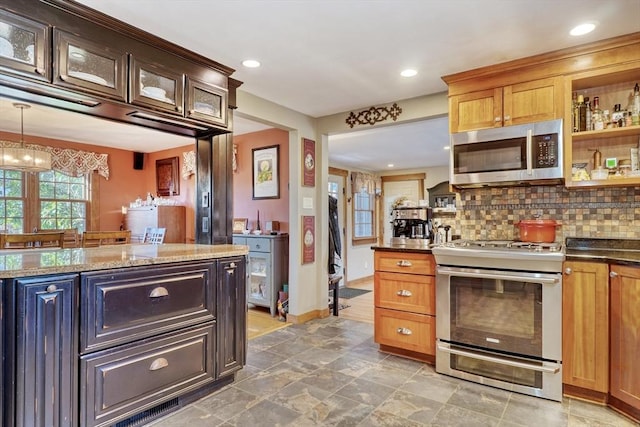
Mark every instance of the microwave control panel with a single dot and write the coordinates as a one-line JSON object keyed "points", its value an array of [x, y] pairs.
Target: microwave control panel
{"points": [[545, 150]]}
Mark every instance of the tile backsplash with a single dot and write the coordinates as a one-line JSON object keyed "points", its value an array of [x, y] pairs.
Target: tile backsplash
{"points": [[491, 213]]}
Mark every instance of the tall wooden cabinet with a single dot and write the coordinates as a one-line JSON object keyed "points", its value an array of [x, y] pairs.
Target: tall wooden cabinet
{"points": [[625, 338], [404, 297], [585, 328], [170, 217]]}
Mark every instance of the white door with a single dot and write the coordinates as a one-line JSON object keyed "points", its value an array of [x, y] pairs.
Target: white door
{"points": [[336, 189], [392, 190]]}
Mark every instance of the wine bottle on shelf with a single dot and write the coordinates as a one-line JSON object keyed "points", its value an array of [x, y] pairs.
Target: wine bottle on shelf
{"points": [[635, 106], [596, 115], [582, 114], [574, 112], [588, 124]]}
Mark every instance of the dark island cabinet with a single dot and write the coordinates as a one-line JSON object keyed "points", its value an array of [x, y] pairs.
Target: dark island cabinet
{"points": [[41, 353], [232, 316], [24, 47]]}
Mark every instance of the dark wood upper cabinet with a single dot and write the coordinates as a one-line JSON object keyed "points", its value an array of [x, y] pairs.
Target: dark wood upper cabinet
{"points": [[90, 67], [156, 86], [24, 47], [206, 102]]}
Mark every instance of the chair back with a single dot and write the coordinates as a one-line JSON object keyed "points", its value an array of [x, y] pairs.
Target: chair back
{"points": [[154, 235], [92, 239], [71, 237], [43, 239]]}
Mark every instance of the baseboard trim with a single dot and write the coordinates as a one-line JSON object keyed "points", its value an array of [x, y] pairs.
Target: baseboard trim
{"points": [[361, 280], [310, 315]]}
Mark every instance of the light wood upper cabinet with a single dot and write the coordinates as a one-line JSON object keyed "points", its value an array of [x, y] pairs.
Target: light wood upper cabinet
{"points": [[625, 335], [515, 104], [585, 325]]}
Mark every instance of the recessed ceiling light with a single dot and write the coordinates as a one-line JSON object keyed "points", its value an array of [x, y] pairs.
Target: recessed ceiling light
{"points": [[583, 29], [408, 73], [446, 147], [390, 165], [251, 63]]}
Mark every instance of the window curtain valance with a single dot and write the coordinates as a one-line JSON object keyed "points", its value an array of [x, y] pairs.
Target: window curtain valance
{"points": [[188, 164], [367, 181], [71, 162]]}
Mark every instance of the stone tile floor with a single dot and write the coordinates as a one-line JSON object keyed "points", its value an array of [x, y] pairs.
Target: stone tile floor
{"points": [[328, 372]]}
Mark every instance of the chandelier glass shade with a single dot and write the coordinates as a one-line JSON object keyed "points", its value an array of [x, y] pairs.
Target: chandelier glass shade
{"points": [[17, 156]]}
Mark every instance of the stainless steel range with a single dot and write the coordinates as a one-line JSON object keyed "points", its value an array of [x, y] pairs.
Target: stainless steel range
{"points": [[499, 314]]}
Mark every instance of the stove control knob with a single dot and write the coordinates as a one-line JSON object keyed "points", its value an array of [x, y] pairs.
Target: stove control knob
{"points": [[568, 271]]}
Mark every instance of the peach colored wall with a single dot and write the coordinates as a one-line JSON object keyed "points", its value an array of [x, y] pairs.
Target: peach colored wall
{"points": [[243, 204], [125, 184]]}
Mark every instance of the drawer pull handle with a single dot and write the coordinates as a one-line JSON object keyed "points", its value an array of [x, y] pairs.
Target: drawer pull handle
{"points": [[159, 363], [404, 331], [404, 263], [159, 292], [404, 293]]}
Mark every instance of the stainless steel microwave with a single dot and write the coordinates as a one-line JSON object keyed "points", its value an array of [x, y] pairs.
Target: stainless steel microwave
{"points": [[508, 155]]}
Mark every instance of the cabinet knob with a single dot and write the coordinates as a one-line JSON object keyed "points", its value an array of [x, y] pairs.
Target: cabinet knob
{"points": [[232, 265], [404, 263], [568, 271], [63, 77], [497, 119], [507, 118], [404, 331], [404, 293], [159, 363], [158, 292], [613, 274], [52, 288], [179, 109], [40, 71]]}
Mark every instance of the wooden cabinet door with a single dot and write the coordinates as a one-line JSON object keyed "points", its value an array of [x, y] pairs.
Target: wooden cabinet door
{"points": [[532, 102], [585, 325], [232, 316], [46, 351], [475, 110], [625, 335], [25, 46]]}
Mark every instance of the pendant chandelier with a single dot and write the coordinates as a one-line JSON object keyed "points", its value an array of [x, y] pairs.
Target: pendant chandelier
{"points": [[19, 157]]}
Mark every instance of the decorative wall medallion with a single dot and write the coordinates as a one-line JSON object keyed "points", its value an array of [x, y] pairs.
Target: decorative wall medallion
{"points": [[374, 115]]}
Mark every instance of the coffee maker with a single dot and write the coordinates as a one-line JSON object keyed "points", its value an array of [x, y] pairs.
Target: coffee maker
{"points": [[412, 226]]}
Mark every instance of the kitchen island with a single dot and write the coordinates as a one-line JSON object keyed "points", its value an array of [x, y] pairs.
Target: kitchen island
{"points": [[118, 334]]}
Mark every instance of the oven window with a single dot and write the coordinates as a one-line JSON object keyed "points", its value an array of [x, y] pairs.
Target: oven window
{"points": [[497, 371], [497, 314]]}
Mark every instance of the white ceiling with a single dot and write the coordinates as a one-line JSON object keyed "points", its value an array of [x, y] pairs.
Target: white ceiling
{"points": [[322, 57]]}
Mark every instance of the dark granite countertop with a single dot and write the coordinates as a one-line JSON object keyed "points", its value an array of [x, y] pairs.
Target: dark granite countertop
{"points": [[402, 248], [611, 251]]}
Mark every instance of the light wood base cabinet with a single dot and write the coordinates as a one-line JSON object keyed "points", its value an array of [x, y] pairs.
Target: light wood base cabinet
{"points": [[404, 296], [625, 339], [585, 327]]}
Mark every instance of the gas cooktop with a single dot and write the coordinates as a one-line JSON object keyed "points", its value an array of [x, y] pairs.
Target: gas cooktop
{"points": [[501, 254]]}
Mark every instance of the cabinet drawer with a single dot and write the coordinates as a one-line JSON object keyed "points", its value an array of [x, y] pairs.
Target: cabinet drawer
{"points": [[407, 292], [403, 262], [409, 331], [124, 305], [259, 245], [132, 378]]}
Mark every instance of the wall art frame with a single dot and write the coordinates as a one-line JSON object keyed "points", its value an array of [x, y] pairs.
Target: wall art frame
{"points": [[168, 176], [266, 172], [308, 239], [308, 162]]}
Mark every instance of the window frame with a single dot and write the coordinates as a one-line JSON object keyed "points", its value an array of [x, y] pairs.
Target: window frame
{"points": [[373, 237]]}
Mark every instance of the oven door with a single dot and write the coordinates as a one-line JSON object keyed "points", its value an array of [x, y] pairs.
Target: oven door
{"points": [[517, 313]]}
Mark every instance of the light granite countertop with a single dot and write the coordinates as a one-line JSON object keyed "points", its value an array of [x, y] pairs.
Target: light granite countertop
{"points": [[38, 262]]}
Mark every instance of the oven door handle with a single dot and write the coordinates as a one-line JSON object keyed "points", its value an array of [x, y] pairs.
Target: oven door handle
{"points": [[488, 275], [524, 365]]}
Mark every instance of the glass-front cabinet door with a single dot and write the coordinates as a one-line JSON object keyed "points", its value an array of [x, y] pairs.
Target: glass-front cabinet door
{"points": [[81, 64], [24, 47], [206, 102], [156, 87], [259, 292]]}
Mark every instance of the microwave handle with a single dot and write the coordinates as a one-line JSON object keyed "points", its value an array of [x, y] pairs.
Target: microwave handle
{"points": [[529, 152]]}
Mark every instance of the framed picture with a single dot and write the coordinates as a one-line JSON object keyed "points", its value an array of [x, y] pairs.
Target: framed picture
{"points": [[240, 224], [266, 182], [167, 176], [308, 163], [308, 239]]}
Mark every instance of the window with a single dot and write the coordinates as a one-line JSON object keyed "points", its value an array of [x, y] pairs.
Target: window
{"points": [[333, 189], [61, 201], [364, 217]]}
